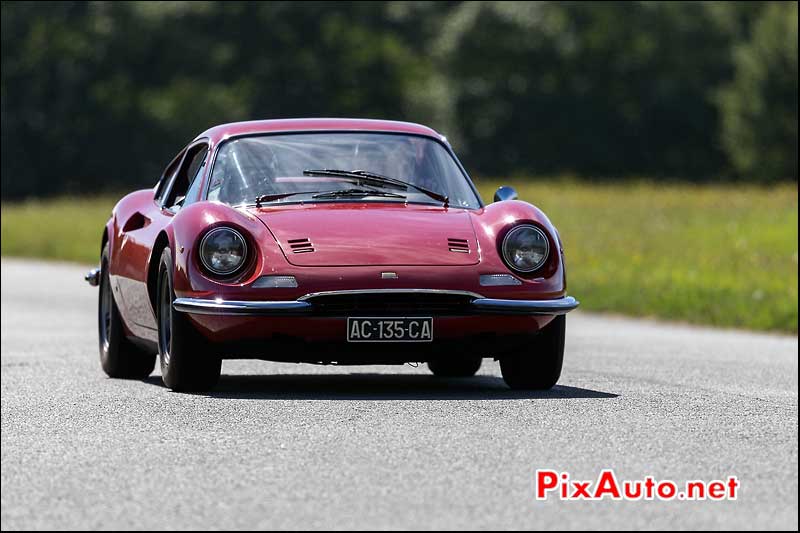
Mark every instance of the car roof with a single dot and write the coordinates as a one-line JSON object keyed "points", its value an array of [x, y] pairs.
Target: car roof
{"points": [[255, 127]]}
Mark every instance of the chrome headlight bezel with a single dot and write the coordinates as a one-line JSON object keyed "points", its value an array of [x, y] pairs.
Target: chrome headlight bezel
{"points": [[219, 272], [506, 253]]}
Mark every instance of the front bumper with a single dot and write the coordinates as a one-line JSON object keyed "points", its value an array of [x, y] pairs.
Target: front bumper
{"points": [[301, 307], [313, 327]]}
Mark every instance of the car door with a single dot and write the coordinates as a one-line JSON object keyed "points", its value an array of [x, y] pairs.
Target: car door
{"points": [[138, 239]]}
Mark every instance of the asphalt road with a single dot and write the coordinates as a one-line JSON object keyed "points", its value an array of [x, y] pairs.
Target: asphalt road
{"points": [[295, 446]]}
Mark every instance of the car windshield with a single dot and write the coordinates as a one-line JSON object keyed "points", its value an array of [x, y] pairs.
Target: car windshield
{"points": [[273, 169]]}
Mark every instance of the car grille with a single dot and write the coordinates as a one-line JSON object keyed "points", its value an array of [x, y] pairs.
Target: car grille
{"points": [[391, 304]]}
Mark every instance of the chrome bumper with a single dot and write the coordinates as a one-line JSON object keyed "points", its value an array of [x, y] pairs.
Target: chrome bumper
{"points": [[559, 306], [491, 306]]}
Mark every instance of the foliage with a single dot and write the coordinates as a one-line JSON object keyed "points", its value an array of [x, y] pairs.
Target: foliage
{"points": [[594, 88], [760, 105], [99, 95]]}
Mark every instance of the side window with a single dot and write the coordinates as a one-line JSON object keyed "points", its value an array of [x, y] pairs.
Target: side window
{"points": [[187, 172], [166, 178], [195, 173]]}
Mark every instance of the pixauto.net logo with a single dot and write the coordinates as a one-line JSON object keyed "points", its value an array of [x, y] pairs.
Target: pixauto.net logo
{"points": [[549, 483]]}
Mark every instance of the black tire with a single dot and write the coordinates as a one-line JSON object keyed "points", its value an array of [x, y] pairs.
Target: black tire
{"points": [[119, 357], [186, 363], [539, 367], [455, 367]]}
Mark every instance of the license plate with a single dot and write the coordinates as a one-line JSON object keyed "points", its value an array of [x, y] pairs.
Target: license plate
{"points": [[386, 329]]}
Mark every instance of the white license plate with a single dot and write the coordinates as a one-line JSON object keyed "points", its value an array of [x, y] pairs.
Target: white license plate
{"points": [[388, 329]]}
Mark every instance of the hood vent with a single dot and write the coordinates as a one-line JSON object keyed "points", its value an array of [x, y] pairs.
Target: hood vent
{"points": [[301, 246], [458, 245]]}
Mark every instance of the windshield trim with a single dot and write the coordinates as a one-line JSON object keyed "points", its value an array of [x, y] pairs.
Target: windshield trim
{"points": [[447, 147], [395, 201]]}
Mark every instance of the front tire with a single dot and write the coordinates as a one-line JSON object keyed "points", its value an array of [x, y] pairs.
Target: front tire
{"points": [[186, 365], [539, 366], [455, 367], [119, 357]]}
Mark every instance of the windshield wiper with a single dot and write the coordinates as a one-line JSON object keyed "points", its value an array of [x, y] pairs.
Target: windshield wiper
{"points": [[360, 193], [277, 196], [365, 177]]}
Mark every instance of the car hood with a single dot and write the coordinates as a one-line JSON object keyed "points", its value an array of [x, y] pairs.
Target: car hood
{"points": [[357, 234]]}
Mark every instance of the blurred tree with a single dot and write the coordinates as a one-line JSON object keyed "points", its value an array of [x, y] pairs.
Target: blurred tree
{"points": [[599, 88], [100, 95], [759, 107]]}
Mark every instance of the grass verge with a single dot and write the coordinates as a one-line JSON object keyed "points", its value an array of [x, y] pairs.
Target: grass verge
{"points": [[718, 255]]}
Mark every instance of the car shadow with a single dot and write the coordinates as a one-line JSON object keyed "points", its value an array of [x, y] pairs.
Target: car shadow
{"points": [[373, 386]]}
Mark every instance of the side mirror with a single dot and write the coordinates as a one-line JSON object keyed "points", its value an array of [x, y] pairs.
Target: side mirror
{"points": [[505, 193]]}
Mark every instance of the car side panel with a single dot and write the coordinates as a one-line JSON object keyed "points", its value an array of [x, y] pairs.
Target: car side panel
{"points": [[137, 223]]}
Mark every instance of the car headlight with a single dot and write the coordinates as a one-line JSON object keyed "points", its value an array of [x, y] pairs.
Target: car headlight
{"points": [[525, 248], [223, 251]]}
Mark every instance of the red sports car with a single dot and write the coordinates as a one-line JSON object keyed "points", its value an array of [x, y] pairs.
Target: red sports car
{"points": [[328, 241]]}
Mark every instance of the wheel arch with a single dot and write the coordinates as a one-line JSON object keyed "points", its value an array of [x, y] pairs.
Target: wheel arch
{"points": [[161, 242]]}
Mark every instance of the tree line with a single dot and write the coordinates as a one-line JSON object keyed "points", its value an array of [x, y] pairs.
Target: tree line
{"points": [[98, 96]]}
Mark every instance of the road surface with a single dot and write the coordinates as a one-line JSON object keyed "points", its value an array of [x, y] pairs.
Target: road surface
{"points": [[295, 446]]}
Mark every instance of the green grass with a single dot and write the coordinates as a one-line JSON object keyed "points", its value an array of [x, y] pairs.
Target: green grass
{"points": [[66, 229], [720, 255]]}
